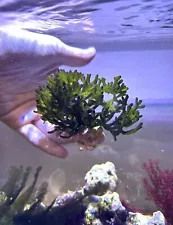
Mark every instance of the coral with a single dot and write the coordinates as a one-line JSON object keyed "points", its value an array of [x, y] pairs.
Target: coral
{"points": [[71, 208], [74, 104], [159, 188], [12, 200], [138, 219], [96, 203]]}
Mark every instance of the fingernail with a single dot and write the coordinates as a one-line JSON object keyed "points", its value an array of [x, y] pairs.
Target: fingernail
{"points": [[91, 51]]}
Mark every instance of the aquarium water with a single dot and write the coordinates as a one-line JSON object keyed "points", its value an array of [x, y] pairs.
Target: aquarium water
{"points": [[134, 39]]}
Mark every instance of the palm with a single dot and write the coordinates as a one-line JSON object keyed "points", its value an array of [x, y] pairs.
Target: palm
{"points": [[24, 65]]}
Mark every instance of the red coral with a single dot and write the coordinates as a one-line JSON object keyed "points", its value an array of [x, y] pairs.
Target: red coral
{"points": [[160, 188]]}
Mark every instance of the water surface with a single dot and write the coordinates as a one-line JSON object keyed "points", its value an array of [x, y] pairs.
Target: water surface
{"points": [[119, 24]]}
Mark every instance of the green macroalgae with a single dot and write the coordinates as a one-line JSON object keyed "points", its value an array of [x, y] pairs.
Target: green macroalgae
{"points": [[75, 104]]}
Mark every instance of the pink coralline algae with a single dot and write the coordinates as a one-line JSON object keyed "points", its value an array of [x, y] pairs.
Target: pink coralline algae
{"points": [[159, 186]]}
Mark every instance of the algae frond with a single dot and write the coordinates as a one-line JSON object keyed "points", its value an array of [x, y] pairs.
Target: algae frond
{"points": [[72, 102]]}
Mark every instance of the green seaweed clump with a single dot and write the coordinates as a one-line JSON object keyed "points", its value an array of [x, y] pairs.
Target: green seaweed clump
{"points": [[73, 103]]}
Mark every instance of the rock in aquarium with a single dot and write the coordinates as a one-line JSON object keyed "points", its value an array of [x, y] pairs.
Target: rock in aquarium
{"points": [[75, 104]]}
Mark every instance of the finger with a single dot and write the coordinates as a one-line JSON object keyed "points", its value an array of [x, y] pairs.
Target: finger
{"points": [[101, 136], [100, 139], [21, 115], [40, 140], [45, 127]]}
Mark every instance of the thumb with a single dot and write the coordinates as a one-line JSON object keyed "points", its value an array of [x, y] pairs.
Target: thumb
{"points": [[18, 41], [72, 56]]}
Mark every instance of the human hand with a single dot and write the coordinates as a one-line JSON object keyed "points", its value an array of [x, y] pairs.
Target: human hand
{"points": [[26, 59]]}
